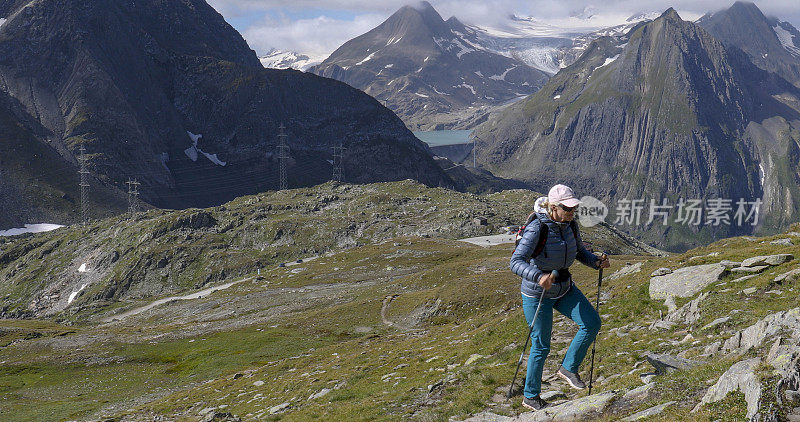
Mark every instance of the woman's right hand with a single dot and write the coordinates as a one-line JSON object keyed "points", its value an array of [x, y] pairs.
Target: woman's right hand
{"points": [[546, 280]]}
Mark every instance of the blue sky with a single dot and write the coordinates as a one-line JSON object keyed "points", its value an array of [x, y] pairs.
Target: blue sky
{"points": [[318, 27]]}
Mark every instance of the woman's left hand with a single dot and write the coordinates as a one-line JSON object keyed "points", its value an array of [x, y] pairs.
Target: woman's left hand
{"points": [[604, 262]]}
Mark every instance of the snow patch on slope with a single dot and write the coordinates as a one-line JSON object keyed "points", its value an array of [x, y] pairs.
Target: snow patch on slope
{"points": [[503, 76], [75, 293], [608, 61], [192, 151], [466, 86], [785, 37], [366, 59]]}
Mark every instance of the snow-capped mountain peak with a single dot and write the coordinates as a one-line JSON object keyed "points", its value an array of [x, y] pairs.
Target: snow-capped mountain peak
{"points": [[552, 45], [277, 59]]}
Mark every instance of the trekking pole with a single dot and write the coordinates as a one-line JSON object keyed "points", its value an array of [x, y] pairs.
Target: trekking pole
{"points": [[597, 307], [521, 355]]}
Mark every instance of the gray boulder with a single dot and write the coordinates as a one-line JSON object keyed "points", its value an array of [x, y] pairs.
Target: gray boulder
{"points": [[741, 376], [279, 408], [655, 410], [786, 242], [660, 271], [488, 417], [712, 348], [320, 393], [743, 278], [639, 394], [767, 260], [783, 358], [550, 396], [584, 408], [689, 313], [791, 275], [648, 378], [768, 327], [756, 269], [716, 322], [662, 325], [221, 417], [730, 264], [665, 363], [626, 270], [686, 281]]}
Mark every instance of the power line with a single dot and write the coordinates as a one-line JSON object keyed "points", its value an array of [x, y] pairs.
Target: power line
{"points": [[474, 146], [283, 157], [84, 184], [133, 196], [338, 162]]}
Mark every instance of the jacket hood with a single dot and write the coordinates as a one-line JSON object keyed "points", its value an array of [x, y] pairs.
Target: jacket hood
{"points": [[538, 206]]}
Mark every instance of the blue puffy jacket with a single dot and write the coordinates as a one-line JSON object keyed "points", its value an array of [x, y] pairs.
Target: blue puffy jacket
{"points": [[563, 246]]}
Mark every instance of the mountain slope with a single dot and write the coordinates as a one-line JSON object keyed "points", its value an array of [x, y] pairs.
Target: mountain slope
{"points": [[422, 67], [169, 93], [401, 328], [674, 114], [769, 43], [163, 252], [36, 184]]}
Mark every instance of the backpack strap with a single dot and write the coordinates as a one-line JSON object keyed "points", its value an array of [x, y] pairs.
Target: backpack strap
{"points": [[543, 231], [531, 217]]}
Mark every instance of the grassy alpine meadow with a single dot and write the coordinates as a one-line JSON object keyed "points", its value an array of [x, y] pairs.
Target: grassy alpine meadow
{"points": [[400, 328]]}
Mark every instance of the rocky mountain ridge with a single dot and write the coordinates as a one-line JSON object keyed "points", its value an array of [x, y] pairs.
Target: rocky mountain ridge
{"points": [[170, 94], [424, 68], [770, 44], [670, 113]]}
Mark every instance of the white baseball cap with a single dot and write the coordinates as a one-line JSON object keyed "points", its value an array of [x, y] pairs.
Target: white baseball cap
{"points": [[562, 194]]}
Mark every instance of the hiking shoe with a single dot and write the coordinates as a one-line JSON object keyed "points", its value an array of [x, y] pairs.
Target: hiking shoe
{"points": [[572, 378], [535, 403]]}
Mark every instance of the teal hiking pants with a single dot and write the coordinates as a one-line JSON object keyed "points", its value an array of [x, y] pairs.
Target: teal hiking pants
{"points": [[574, 306]]}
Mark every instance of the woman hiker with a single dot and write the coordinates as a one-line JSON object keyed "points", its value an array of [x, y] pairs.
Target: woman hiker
{"points": [[545, 268]]}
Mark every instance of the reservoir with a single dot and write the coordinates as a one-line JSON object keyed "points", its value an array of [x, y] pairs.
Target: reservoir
{"points": [[444, 137]]}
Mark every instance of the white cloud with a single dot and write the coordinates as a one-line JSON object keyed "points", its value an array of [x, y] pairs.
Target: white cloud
{"points": [[318, 36], [319, 33]]}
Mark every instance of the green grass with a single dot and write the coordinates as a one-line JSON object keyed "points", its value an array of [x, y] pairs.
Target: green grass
{"points": [[157, 364]]}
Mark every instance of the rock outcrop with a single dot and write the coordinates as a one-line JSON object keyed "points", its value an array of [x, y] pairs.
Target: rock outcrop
{"points": [[768, 327], [686, 281], [740, 377], [665, 364]]}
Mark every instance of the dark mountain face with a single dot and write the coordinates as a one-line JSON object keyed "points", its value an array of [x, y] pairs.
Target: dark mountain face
{"points": [[421, 66], [673, 114], [135, 82], [769, 43]]}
